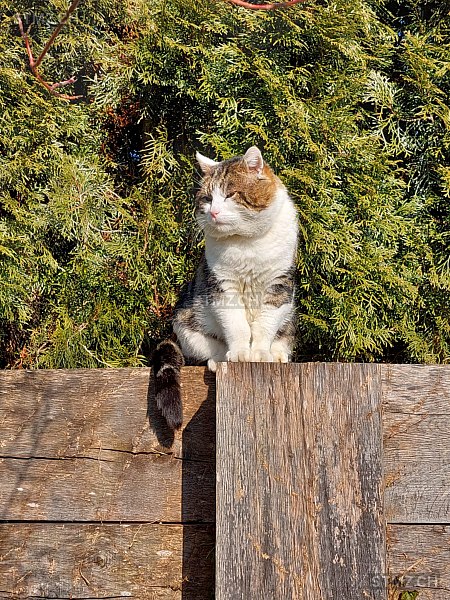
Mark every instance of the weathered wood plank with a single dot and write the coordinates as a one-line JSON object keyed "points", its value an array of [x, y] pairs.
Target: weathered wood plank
{"points": [[114, 487], [65, 413], [419, 559], [417, 467], [416, 389], [299, 476], [86, 445], [416, 402], [147, 562]]}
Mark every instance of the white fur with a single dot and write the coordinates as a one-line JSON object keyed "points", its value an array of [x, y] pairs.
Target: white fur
{"points": [[246, 264], [265, 249], [198, 345], [246, 250], [206, 164]]}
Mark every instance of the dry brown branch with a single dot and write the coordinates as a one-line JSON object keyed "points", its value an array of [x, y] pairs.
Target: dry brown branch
{"points": [[34, 64], [271, 6], [52, 87]]}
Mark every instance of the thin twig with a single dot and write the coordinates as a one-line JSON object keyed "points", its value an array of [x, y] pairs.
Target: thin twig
{"points": [[26, 40], [83, 577], [265, 6], [34, 64], [58, 28], [63, 83]]}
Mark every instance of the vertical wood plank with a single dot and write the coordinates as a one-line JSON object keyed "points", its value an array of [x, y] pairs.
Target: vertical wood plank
{"points": [[299, 482]]}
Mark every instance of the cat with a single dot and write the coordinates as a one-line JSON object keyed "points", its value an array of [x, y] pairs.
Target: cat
{"points": [[240, 306]]}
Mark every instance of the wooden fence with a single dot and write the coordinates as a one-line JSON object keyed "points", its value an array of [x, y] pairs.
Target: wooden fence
{"points": [[98, 499]]}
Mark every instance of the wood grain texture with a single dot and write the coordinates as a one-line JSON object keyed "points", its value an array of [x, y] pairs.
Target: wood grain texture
{"points": [[419, 559], [299, 476], [147, 562], [114, 487], [67, 413], [90, 445], [416, 389], [416, 403]]}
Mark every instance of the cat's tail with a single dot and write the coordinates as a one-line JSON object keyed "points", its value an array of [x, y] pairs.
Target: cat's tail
{"points": [[167, 362]]}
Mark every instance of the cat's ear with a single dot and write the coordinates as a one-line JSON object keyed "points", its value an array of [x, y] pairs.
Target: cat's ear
{"points": [[254, 160], [206, 164]]}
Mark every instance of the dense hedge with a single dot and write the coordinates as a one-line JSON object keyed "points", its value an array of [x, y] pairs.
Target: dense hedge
{"points": [[348, 101]]}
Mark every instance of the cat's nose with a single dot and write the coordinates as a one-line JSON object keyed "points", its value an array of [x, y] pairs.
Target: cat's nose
{"points": [[214, 213]]}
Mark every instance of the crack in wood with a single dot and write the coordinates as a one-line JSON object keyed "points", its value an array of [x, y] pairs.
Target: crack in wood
{"points": [[5, 594], [97, 459], [150, 587], [411, 413], [153, 452], [102, 522], [418, 524]]}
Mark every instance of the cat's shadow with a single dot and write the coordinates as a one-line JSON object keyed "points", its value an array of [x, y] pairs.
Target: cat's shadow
{"points": [[198, 488]]}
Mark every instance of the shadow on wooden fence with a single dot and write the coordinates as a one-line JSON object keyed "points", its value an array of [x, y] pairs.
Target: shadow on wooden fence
{"points": [[197, 488], [198, 542], [98, 499]]}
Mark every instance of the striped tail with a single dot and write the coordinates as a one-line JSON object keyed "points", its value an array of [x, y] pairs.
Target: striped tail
{"points": [[167, 362]]}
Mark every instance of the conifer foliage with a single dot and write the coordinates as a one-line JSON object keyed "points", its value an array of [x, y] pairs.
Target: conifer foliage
{"points": [[348, 100]]}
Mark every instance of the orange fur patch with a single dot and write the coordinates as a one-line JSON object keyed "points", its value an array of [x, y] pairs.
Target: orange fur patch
{"points": [[236, 180]]}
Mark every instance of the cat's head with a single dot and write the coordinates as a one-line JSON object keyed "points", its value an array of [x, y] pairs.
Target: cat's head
{"points": [[238, 196]]}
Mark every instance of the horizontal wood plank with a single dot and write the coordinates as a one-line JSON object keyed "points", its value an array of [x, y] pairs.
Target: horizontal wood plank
{"points": [[146, 562], [416, 402], [419, 559], [66, 413], [417, 467], [416, 389], [114, 487]]}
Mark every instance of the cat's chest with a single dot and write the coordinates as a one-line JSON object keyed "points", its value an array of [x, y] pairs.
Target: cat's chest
{"points": [[249, 267]]}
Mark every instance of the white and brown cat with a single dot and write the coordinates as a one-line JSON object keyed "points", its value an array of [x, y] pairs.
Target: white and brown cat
{"points": [[240, 306]]}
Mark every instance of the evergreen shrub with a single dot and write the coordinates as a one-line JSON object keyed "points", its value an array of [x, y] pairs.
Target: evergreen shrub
{"points": [[348, 101]]}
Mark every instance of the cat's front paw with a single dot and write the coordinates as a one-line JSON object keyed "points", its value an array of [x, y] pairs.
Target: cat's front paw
{"points": [[212, 365], [280, 356], [280, 351], [261, 355], [238, 355]]}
